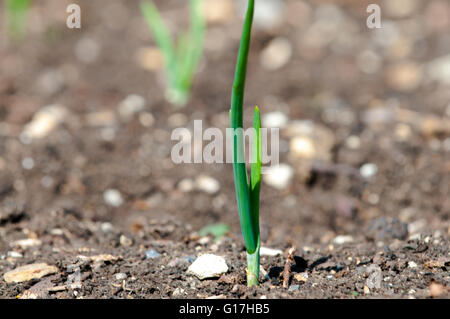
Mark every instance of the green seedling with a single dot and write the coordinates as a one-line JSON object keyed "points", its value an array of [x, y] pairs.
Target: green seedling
{"points": [[217, 230], [181, 58], [247, 191], [17, 16]]}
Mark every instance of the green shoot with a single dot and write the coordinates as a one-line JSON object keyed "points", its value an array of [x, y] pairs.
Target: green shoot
{"points": [[217, 230], [247, 192], [17, 15], [181, 58]]}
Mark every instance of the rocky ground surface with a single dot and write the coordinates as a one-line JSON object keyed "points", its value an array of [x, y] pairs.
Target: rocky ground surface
{"points": [[92, 206]]}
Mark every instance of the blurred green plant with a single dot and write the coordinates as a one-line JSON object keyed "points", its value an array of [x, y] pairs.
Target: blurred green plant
{"points": [[182, 57], [16, 17], [247, 192], [217, 230]]}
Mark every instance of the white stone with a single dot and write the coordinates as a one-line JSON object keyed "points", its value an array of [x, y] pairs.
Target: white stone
{"points": [[310, 141], [179, 292], [275, 120], [121, 276], [277, 54], [28, 163], [207, 184], [132, 104], [208, 266], [101, 118], [439, 69], [29, 272], [417, 226], [106, 227], [268, 13], [412, 264], [25, 243], [150, 58], [264, 251], [343, 239], [404, 76], [125, 241], [14, 254], [302, 146], [279, 177], [108, 133], [186, 185], [43, 122], [113, 197], [368, 170], [146, 119], [353, 142]]}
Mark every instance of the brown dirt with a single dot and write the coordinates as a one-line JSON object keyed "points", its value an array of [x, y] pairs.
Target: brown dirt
{"points": [[398, 219]]}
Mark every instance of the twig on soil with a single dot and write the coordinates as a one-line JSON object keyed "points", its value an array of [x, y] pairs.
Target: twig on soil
{"points": [[287, 267]]}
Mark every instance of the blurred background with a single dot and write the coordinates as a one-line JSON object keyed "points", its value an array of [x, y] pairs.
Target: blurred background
{"points": [[364, 115]]}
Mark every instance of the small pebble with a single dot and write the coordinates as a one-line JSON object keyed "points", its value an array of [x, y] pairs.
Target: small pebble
{"points": [[125, 241], [106, 227], [207, 184], [375, 277], [178, 292], [121, 276], [113, 197], [28, 163], [343, 239], [14, 254], [25, 243], [101, 118], [146, 119], [368, 170], [43, 122], [264, 251], [277, 54], [279, 177], [268, 13], [412, 264], [436, 290], [208, 266], [186, 185], [310, 140], [302, 277], [29, 272], [353, 142], [275, 120], [132, 104], [303, 147], [151, 254], [405, 76]]}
